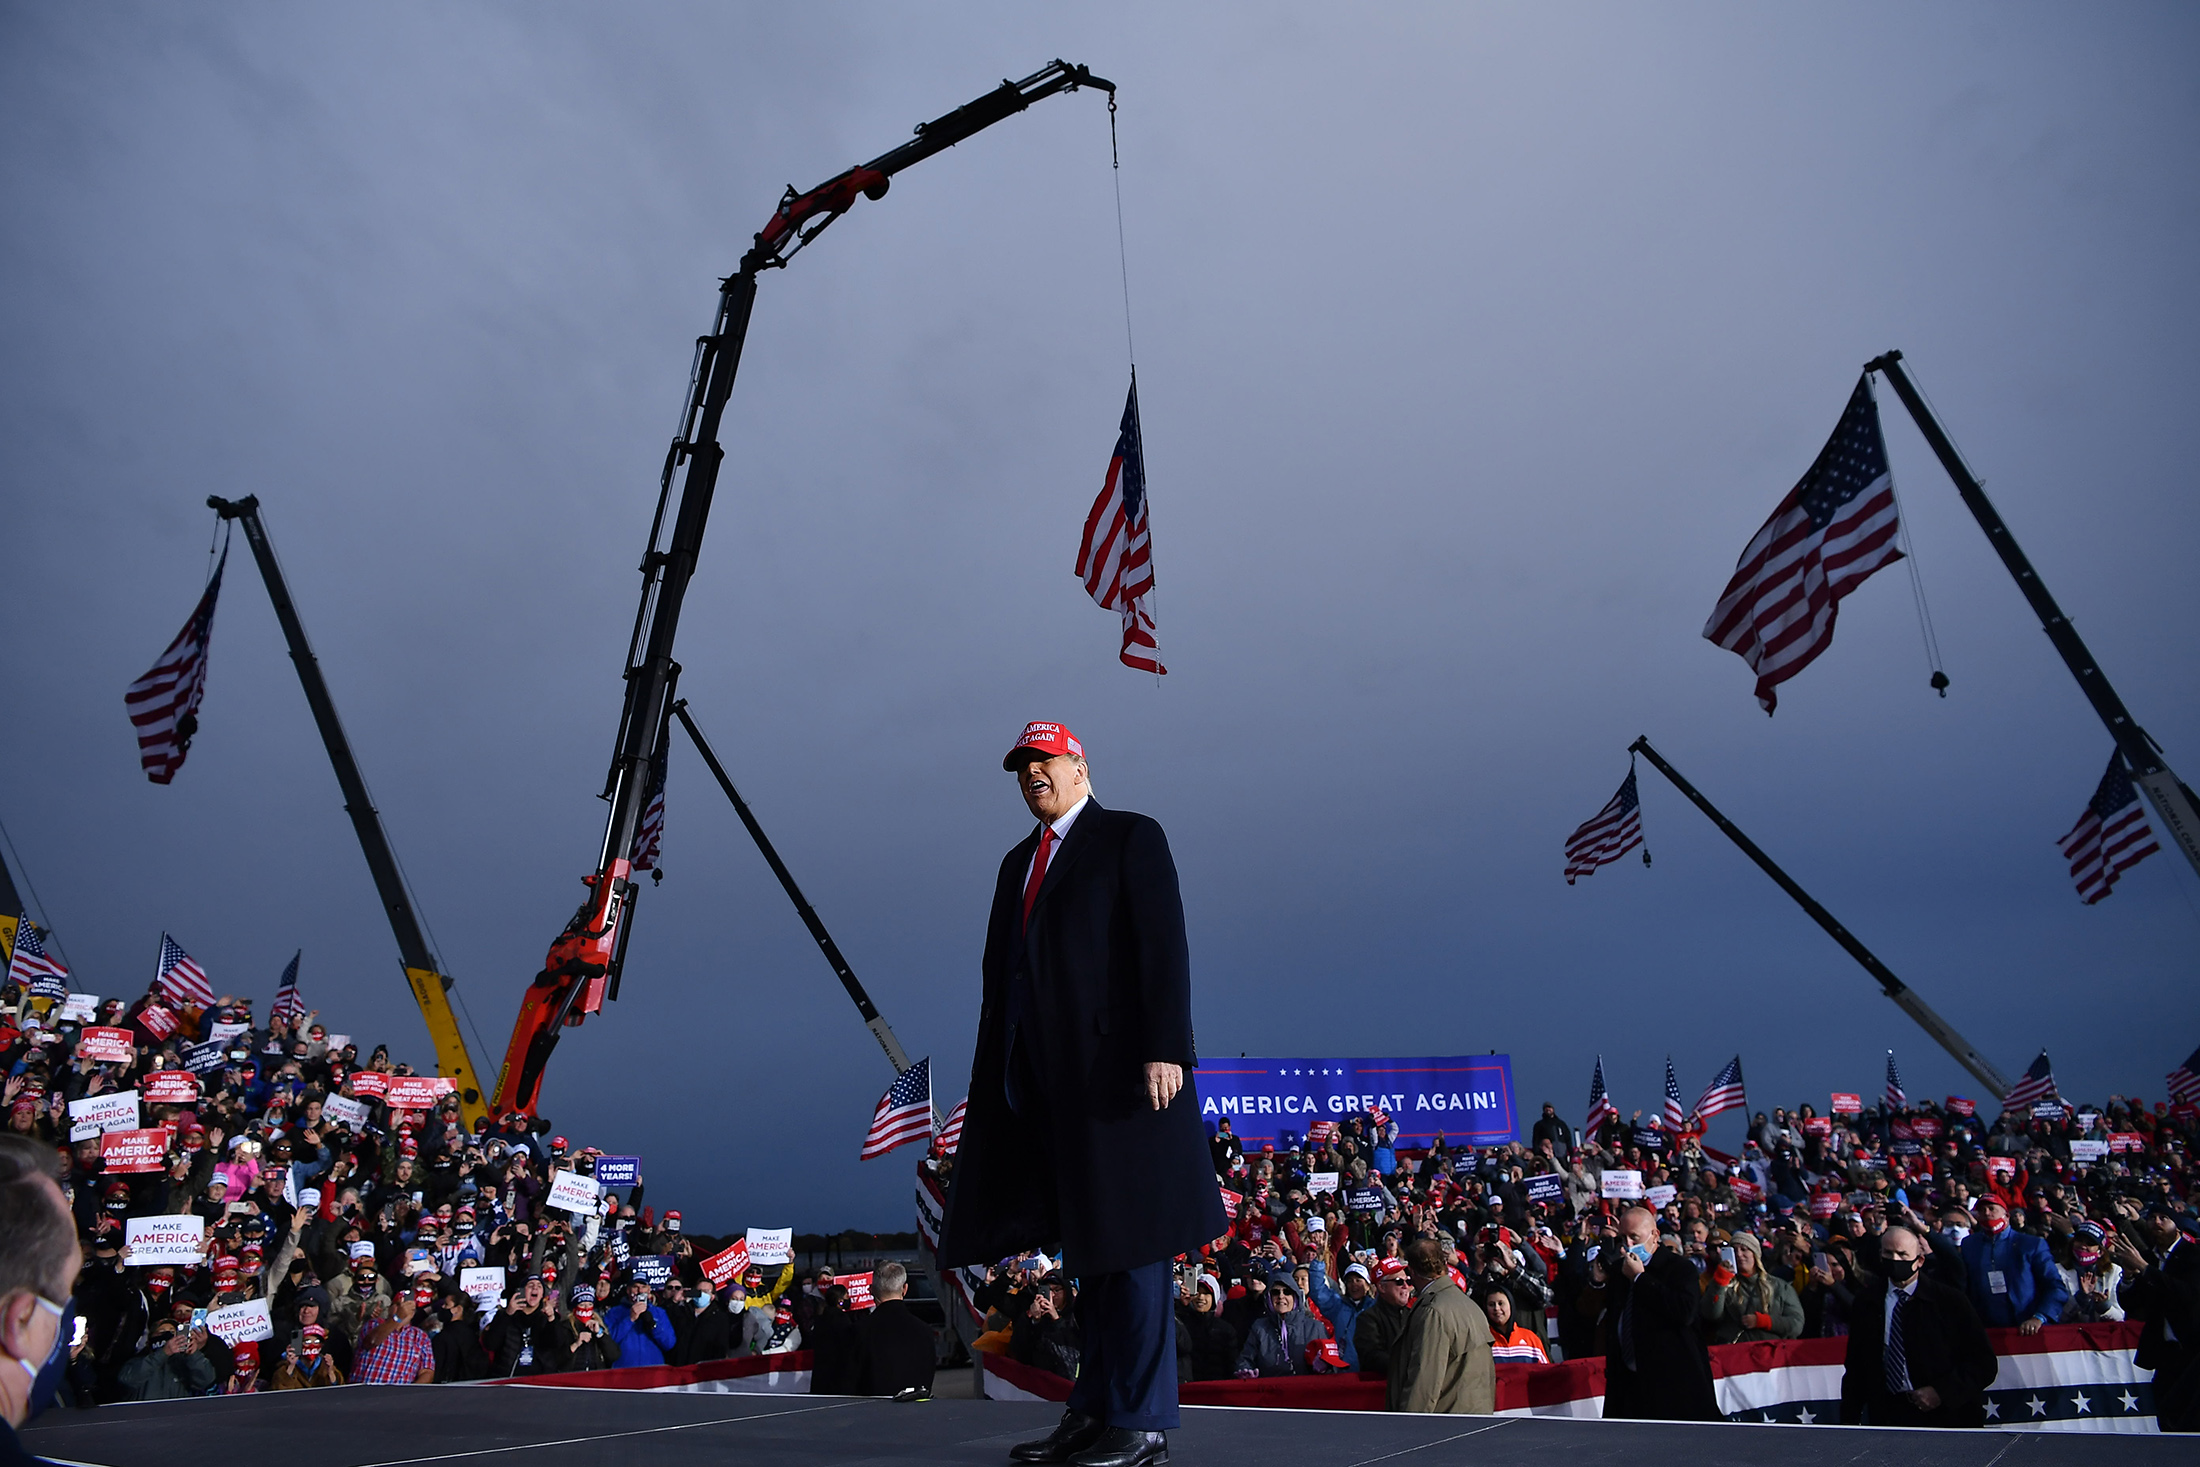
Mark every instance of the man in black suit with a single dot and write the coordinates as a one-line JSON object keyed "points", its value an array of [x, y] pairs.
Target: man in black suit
{"points": [[1917, 1354], [1655, 1367], [2164, 1291], [1083, 1124], [900, 1351]]}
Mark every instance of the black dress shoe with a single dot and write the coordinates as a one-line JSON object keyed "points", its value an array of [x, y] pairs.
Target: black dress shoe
{"points": [[1073, 1435], [1125, 1446]]}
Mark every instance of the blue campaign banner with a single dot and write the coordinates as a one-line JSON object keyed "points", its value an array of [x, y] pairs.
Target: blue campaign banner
{"points": [[1467, 1097], [618, 1171], [653, 1269]]}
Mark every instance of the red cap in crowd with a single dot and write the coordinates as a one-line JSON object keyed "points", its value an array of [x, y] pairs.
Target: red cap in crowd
{"points": [[1049, 740], [247, 1355], [1390, 1268]]}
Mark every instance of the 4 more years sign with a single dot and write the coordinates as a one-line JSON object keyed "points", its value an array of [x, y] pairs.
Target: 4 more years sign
{"points": [[1468, 1098]]}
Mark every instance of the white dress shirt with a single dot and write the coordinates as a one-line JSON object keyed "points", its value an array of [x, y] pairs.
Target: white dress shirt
{"points": [[1061, 832], [1886, 1325]]}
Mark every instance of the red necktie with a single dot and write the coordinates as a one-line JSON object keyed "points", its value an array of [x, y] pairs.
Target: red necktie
{"points": [[1047, 838]]}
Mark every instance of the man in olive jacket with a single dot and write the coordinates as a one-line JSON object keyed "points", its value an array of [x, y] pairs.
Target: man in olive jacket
{"points": [[1443, 1364], [1083, 1123]]}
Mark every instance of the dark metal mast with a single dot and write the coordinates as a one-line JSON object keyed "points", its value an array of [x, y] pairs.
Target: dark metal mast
{"points": [[1944, 1033], [2175, 807], [430, 987]]}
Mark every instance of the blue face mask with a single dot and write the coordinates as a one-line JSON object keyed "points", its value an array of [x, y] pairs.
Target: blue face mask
{"points": [[46, 1380]]}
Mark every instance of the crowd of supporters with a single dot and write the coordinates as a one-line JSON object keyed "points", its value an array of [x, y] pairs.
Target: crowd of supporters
{"points": [[357, 1232], [2063, 1215]]}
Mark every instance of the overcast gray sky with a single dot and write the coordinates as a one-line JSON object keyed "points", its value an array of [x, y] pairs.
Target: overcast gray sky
{"points": [[1474, 344]]}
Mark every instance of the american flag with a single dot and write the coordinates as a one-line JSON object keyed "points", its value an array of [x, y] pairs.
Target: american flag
{"points": [[1724, 1093], [30, 963], [1601, 1109], [649, 836], [904, 1112], [2184, 1081], [180, 978], [1115, 559], [1896, 1097], [2111, 837], [1832, 531], [287, 1003], [2038, 1084], [1608, 835], [951, 1134], [1674, 1116], [164, 704]]}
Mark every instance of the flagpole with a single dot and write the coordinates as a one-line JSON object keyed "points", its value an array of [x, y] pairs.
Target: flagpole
{"points": [[2175, 807], [1944, 1033]]}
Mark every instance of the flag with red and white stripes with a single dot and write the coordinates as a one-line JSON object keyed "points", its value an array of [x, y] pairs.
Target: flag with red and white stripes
{"points": [[1724, 1093], [2037, 1084], [1115, 558], [30, 963], [288, 1005], [1601, 1109], [1831, 532], [164, 704], [1607, 835], [1674, 1117], [2110, 838], [649, 835], [951, 1134], [1896, 1097], [904, 1112], [2184, 1081], [179, 977]]}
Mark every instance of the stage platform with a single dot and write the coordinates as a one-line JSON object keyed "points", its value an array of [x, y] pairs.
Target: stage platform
{"points": [[399, 1426]]}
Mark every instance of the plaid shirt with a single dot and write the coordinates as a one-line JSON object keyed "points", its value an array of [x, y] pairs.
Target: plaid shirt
{"points": [[398, 1360]]}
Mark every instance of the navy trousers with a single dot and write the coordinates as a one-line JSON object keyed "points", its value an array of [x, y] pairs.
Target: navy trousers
{"points": [[1128, 1374]]}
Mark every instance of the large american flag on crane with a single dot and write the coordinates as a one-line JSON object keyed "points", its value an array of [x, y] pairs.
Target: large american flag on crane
{"points": [[904, 1112], [1832, 531], [2110, 838], [164, 704], [1607, 835], [1115, 559], [1724, 1093], [180, 978], [649, 836]]}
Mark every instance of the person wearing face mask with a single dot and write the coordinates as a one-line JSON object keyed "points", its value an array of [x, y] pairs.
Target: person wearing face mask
{"points": [[2012, 1276], [1655, 1365], [1917, 1354], [710, 1337], [39, 1260]]}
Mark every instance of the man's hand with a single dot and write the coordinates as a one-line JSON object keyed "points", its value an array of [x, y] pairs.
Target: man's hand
{"points": [[1630, 1265], [1163, 1080], [1925, 1398], [2031, 1326], [638, 1307]]}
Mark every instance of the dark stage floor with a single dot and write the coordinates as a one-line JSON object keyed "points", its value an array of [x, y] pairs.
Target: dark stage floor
{"points": [[384, 1426]]}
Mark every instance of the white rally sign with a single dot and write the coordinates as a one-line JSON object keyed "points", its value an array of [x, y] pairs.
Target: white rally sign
{"points": [[115, 1111], [485, 1286], [574, 1193], [771, 1245], [345, 1111], [176, 1238], [239, 1323], [1623, 1184]]}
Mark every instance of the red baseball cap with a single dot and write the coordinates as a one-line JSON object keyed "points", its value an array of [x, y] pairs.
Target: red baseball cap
{"points": [[1390, 1268], [1048, 739]]}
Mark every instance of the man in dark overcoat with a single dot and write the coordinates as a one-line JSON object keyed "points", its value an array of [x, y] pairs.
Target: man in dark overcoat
{"points": [[1917, 1354], [1655, 1367], [1083, 1125]]}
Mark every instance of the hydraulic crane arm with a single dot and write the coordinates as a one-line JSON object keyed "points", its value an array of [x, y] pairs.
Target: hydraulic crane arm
{"points": [[430, 987], [582, 968]]}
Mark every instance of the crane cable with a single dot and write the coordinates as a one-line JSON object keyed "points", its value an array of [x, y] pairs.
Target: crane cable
{"points": [[1130, 348]]}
